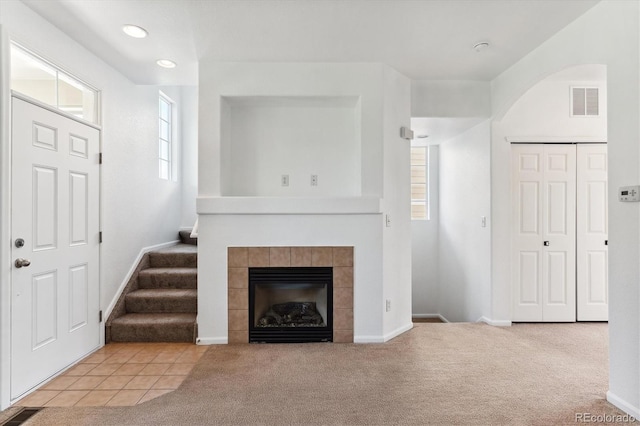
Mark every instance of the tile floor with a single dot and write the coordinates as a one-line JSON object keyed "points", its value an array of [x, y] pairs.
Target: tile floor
{"points": [[119, 374]]}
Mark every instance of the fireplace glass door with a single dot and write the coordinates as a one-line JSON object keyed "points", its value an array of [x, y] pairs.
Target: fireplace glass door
{"points": [[290, 305]]}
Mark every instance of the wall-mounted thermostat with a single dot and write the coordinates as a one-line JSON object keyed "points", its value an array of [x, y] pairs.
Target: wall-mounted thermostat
{"points": [[629, 193]]}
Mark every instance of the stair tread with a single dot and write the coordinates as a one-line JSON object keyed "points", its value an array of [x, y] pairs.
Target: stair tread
{"points": [[182, 270], [163, 306], [178, 249], [163, 292], [155, 318]]}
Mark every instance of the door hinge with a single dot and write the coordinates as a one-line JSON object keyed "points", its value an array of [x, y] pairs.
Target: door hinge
{"points": [[100, 316], [100, 237], [100, 158]]}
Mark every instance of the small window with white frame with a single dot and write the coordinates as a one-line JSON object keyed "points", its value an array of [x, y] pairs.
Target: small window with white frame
{"points": [[166, 141], [419, 183]]}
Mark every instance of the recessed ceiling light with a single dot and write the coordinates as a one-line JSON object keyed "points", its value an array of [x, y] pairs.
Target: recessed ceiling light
{"points": [[166, 63], [479, 47], [135, 31]]}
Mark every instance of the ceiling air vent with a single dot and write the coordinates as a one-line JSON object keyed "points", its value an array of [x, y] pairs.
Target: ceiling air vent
{"points": [[584, 101]]}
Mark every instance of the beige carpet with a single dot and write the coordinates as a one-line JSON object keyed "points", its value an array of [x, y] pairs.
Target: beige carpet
{"points": [[442, 374]]}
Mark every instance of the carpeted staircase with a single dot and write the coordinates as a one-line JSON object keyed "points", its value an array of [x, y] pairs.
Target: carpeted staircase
{"points": [[160, 302]]}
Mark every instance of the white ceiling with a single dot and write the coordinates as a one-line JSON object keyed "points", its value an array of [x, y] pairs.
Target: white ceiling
{"points": [[423, 39]]}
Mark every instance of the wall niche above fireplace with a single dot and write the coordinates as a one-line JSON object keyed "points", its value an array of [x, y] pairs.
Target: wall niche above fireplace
{"points": [[264, 137]]}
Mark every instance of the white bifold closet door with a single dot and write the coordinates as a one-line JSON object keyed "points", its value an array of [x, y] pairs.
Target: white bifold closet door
{"points": [[544, 232], [559, 217], [592, 227]]}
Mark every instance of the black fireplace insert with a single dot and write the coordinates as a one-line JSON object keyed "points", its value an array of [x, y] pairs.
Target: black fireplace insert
{"points": [[290, 305]]}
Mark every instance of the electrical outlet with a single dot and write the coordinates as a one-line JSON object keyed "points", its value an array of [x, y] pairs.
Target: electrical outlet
{"points": [[314, 180], [387, 220], [388, 305], [483, 221], [284, 180]]}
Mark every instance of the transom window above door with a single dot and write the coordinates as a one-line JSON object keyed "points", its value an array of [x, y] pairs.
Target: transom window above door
{"points": [[43, 81]]}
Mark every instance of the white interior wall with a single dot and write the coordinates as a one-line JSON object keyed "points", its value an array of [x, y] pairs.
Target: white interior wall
{"points": [[189, 163], [286, 80], [607, 34], [543, 112], [464, 283], [297, 137], [137, 208], [396, 203], [450, 98]]}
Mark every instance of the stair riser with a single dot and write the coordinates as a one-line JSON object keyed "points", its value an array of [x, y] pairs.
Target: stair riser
{"points": [[168, 281], [169, 305], [185, 238], [174, 333], [170, 260]]}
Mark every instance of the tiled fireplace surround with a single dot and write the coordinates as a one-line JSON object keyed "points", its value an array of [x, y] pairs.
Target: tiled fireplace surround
{"points": [[240, 259]]}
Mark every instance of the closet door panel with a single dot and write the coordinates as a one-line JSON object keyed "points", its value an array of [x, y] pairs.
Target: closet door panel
{"points": [[559, 237], [526, 272], [592, 230]]}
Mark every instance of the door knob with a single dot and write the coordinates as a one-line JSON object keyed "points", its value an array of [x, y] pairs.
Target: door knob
{"points": [[546, 243], [22, 263]]}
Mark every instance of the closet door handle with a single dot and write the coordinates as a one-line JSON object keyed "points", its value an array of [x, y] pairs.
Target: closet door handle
{"points": [[546, 243]]}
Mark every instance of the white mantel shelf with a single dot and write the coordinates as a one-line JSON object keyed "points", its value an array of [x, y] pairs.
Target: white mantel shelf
{"points": [[287, 205]]}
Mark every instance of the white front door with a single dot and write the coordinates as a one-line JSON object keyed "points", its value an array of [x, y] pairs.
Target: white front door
{"points": [[543, 233], [55, 237], [592, 250]]}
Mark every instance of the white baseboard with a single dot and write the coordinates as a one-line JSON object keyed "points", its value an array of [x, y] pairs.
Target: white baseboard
{"points": [[425, 316], [368, 339], [385, 338], [143, 251], [212, 340], [495, 323], [398, 331], [623, 405], [440, 317]]}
